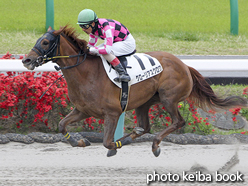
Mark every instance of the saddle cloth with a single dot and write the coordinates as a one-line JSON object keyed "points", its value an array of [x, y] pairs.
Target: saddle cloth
{"points": [[139, 66]]}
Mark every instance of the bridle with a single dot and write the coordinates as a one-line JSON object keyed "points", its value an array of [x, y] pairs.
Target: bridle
{"points": [[53, 51]]}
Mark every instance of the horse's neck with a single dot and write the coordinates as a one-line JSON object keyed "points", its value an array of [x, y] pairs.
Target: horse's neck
{"points": [[82, 74], [85, 76]]}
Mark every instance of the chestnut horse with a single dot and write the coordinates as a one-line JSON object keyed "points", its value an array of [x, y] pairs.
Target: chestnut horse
{"points": [[93, 94]]}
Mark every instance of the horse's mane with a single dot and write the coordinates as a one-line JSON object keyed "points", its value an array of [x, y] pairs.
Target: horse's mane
{"points": [[73, 36]]}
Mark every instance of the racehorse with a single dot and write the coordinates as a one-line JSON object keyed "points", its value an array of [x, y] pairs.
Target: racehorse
{"points": [[93, 94]]}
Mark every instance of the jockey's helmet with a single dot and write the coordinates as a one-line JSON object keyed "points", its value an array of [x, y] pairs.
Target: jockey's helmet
{"points": [[86, 16]]}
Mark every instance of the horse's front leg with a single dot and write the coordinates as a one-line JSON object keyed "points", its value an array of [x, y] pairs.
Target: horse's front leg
{"points": [[110, 123], [74, 116]]}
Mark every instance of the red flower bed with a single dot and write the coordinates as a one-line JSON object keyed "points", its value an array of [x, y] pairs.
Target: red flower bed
{"points": [[20, 98], [22, 110]]}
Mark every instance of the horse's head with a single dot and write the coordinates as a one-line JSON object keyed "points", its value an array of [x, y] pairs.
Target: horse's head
{"points": [[45, 47]]}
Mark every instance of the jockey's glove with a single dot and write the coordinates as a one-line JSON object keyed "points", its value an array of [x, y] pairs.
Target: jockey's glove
{"points": [[93, 51]]}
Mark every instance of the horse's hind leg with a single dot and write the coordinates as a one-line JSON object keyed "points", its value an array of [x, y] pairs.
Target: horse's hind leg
{"points": [[143, 125], [177, 122], [74, 116], [142, 128]]}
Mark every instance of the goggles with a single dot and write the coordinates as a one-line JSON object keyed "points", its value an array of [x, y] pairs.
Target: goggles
{"points": [[85, 26]]}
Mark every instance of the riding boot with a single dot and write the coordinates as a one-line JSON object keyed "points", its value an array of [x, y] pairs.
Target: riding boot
{"points": [[123, 75]]}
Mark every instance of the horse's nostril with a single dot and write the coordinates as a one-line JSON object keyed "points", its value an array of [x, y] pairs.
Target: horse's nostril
{"points": [[26, 60]]}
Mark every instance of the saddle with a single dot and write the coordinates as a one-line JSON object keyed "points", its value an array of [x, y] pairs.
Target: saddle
{"points": [[139, 66]]}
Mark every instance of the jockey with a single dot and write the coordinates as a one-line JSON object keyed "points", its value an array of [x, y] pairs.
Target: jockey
{"points": [[118, 41]]}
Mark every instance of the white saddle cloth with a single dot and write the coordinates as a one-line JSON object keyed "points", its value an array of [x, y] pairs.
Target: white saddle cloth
{"points": [[140, 67]]}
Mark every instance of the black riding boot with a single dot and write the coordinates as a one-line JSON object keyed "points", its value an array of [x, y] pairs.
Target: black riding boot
{"points": [[123, 75]]}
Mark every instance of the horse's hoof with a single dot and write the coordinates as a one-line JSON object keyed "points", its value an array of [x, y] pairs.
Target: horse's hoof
{"points": [[83, 142], [157, 152], [111, 152], [138, 130], [87, 142]]}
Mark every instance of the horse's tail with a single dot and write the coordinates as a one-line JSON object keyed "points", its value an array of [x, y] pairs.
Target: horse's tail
{"points": [[204, 97]]}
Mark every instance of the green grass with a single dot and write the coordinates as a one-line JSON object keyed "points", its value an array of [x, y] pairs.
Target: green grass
{"points": [[229, 90], [176, 43], [146, 16], [181, 27], [197, 44]]}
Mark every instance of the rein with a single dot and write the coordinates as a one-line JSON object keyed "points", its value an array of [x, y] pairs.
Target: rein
{"points": [[50, 86], [71, 56]]}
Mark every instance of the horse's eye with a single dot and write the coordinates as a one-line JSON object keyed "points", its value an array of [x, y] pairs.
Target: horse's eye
{"points": [[45, 43]]}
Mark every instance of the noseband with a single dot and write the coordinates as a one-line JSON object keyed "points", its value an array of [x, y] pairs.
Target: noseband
{"points": [[50, 53]]}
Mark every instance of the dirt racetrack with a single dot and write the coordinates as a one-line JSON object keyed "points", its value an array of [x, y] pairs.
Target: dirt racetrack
{"points": [[59, 164]]}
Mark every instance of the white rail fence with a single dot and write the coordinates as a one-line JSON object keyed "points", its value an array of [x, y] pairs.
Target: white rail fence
{"points": [[208, 66]]}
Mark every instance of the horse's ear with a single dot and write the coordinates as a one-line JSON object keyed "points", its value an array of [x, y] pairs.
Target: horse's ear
{"points": [[49, 28], [57, 32]]}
